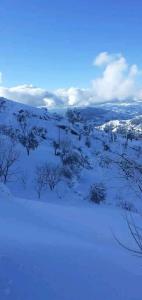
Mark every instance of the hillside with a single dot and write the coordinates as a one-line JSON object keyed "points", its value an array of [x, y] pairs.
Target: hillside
{"points": [[83, 152], [68, 185]]}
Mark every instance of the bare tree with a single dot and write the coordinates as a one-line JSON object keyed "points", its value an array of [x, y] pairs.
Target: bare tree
{"points": [[47, 175], [52, 175], [8, 157], [132, 171], [40, 181], [136, 234]]}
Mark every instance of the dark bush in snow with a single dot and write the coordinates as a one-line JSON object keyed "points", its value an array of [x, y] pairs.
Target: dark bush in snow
{"points": [[75, 160], [29, 141], [106, 147], [88, 129], [74, 115], [97, 193], [67, 172]]}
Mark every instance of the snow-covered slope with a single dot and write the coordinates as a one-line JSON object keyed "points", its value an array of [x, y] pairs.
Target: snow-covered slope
{"points": [[125, 127], [93, 144], [59, 245], [54, 252]]}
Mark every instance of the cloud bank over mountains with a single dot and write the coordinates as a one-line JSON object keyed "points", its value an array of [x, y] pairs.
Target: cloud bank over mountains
{"points": [[118, 81]]}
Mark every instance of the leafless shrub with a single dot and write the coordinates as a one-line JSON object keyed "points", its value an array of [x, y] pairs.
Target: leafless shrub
{"points": [[40, 180], [47, 175], [52, 175]]}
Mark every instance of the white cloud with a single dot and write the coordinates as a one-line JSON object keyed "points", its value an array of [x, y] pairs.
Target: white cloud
{"points": [[134, 71], [31, 95], [102, 59], [118, 81], [105, 58], [73, 96]]}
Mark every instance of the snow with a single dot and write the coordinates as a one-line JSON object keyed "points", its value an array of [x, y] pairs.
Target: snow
{"points": [[62, 247], [51, 251]]}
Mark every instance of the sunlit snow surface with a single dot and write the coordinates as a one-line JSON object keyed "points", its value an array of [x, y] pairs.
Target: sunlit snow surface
{"points": [[65, 252]]}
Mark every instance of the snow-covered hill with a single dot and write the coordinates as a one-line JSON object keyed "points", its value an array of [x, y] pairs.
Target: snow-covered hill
{"points": [[56, 242], [83, 152]]}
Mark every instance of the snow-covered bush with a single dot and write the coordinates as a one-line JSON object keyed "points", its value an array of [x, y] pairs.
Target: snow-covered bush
{"points": [[97, 193], [32, 138], [29, 141], [29, 136], [76, 160], [72, 159]]}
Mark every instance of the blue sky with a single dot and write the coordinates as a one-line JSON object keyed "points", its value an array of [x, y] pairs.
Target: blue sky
{"points": [[52, 44]]}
